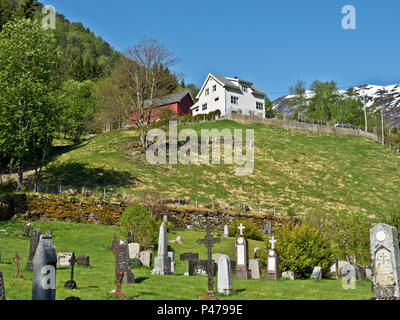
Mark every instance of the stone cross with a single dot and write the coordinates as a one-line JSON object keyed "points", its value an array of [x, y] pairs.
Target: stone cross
{"points": [[116, 249], [272, 242], [71, 284], [209, 242], [241, 228], [16, 260]]}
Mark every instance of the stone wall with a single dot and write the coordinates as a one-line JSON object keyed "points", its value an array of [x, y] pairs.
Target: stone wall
{"points": [[287, 124]]}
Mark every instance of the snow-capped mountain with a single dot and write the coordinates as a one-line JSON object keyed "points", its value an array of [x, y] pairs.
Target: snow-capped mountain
{"points": [[387, 96]]}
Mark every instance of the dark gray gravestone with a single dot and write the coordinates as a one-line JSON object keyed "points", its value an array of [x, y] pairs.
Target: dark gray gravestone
{"points": [[2, 290], [131, 237], [124, 263], [83, 261], [35, 237], [44, 270], [189, 256], [199, 267]]}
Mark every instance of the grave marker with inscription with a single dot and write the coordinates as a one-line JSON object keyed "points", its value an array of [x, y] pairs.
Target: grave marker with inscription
{"points": [[35, 237], [385, 262], [273, 262], [242, 256]]}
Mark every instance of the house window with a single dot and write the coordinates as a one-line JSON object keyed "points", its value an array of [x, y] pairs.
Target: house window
{"points": [[245, 88], [204, 108], [207, 92], [214, 88], [234, 100], [196, 110], [260, 106], [216, 99]]}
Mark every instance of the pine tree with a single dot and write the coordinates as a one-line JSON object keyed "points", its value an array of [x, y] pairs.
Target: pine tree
{"points": [[28, 8]]}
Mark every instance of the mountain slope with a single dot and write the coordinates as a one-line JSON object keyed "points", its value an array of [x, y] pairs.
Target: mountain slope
{"points": [[387, 96]]}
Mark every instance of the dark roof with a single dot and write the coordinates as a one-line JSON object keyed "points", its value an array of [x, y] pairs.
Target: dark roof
{"points": [[170, 99], [229, 84]]}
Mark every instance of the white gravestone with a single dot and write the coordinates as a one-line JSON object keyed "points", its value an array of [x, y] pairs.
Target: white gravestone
{"points": [[242, 256], [226, 231], [63, 259], [273, 262], [134, 250], [224, 275]]}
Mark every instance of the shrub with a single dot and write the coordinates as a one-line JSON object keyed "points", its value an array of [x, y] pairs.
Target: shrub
{"points": [[300, 249], [251, 232], [347, 231], [139, 220], [135, 263]]}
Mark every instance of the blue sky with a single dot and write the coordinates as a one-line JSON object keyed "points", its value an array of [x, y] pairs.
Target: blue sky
{"points": [[270, 42]]}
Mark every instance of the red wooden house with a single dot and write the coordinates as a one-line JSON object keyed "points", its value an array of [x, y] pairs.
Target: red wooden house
{"points": [[179, 103]]}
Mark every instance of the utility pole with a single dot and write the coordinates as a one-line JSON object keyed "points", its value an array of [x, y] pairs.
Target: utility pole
{"points": [[365, 112], [383, 129]]}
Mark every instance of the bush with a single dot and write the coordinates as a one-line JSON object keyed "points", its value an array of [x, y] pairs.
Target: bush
{"points": [[347, 231], [300, 249], [139, 220], [135, 263], [251, 232]]}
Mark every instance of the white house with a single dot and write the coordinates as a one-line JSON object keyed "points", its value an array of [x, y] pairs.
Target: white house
{"points": [[229, 95]]}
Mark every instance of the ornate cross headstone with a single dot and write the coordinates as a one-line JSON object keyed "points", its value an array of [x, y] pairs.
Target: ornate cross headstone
{"points": [[242, 256], [385, 258], [116, 248], [17, 260], [71, 284], [209, 242], [273, 262]]}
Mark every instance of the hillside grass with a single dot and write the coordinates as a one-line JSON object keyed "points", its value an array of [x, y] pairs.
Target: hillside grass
{"points": [[97, 281], [293, 169]]}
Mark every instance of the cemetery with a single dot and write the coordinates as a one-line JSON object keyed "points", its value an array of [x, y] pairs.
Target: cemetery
{"points": [[100, 267]]}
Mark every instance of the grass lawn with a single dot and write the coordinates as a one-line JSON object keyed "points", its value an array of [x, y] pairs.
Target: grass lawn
{"points": [[293, 169], [97, 281]]}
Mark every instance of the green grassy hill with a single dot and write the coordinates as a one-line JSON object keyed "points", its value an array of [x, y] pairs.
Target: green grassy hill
{"points": [[298, 169]]}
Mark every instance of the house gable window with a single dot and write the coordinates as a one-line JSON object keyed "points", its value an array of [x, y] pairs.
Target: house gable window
{"points": [[204, 107], [234, 100], [216, 99], [259, 106], [245, 88], [207, 92], [214, 88]]}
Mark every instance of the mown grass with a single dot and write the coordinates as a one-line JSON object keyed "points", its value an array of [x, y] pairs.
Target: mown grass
{"points": [[298, 169], [97, 281]]}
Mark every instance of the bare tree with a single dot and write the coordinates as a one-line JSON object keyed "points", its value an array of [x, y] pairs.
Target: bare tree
{"points": [[134, 87]]}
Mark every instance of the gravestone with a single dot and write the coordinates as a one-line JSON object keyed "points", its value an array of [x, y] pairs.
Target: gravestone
{"points": [[385, 262], [199, 268], [83, 261], [2, 289], [26, 230], [273, 262], [35, 237], [255, 268], [215, 257], [162, 263], [209, 241], [171, 254], [134, 250], [189, 256], [44, 270], [131, 237], [124, 263], [336, 267], [71, 284], [226, 231], [147, 258], [288, 275], [224, 275], [173, 267], [349, 275], [269, 228], [64, 258], [115, 249], [242, 256], [317, 273]]}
